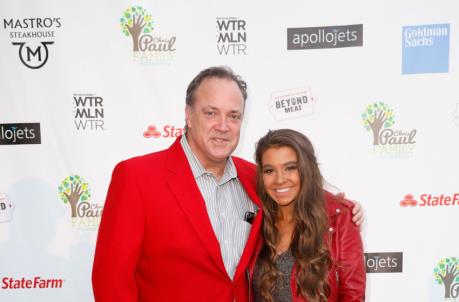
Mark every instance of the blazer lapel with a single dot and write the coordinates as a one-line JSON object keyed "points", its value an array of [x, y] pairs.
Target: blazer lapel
{"points": [[246, 175], [185, 190]]}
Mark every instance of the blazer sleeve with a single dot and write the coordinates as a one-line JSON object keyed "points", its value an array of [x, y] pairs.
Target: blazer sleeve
{"points": [[351, 267], [119, 239]]}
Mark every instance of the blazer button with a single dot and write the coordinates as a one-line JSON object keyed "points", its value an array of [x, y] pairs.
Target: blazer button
{"points": [[330, 229], [338, 210]]}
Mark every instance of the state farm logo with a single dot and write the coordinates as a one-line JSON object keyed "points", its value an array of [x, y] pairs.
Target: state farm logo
{"points": [[379, 118], [231, 36], [430, 200], [20, 134], [446, 273], [166, 131], [384, 262], [30, 283], [292, 103], [147, 49], [6, 208], [32, 36], [75, 191]]}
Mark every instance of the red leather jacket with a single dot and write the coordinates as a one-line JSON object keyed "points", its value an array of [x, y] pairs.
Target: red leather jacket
{"points": [[347, 277]]}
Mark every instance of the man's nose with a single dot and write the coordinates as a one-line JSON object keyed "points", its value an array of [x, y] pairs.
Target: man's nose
{"points": [[222, 124]]}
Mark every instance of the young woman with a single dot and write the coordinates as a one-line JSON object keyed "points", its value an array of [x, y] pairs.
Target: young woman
{"points": [[311, 250]]}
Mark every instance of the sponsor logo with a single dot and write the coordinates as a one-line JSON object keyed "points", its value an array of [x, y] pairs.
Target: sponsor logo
{"points": [[6, 208], [325, 37], [75, 191], [446, 273], [430, 200], [456, 115], [387, 142], [292, 103], [425, 49], [89, 112], [384, 262], [20, 134], [231, 36], [33, 38], [148, 48], [167, 131], [30, 283]]}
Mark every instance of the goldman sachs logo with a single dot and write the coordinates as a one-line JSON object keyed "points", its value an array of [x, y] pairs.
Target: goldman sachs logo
{"points": [[325, 37]]}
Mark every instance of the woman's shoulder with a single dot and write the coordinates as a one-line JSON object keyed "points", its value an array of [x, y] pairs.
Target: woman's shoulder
{"points": [[337, 205]]}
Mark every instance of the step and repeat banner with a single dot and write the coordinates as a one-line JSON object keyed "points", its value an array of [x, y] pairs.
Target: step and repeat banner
{"points": [[86, 84]]}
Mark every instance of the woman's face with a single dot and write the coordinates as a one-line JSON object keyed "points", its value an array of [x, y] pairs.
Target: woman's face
{"points": [[281, 178]]}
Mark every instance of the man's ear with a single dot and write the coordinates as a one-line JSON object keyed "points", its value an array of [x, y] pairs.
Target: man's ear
{"points": [[188, 113]]}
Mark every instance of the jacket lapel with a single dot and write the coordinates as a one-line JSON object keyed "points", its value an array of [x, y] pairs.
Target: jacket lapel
{"points": [[246, 175], [183, 186]]}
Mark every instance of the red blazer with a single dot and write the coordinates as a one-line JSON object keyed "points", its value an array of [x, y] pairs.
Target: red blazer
{"points": [[347, 277], [156, 242]]}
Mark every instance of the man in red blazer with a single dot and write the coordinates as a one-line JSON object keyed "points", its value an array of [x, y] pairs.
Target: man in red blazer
{"points": [[181, 224]]}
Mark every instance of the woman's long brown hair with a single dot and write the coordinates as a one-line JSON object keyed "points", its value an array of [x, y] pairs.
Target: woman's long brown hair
{"points": [[308, 245]]}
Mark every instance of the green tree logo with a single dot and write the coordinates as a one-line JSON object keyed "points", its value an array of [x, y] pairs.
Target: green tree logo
{"points": [[72, 190], [446, 273], [134, 22], [377, 116]]}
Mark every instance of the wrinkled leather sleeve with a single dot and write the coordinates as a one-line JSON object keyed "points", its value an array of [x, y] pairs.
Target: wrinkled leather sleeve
{"points": [[348, 248]]}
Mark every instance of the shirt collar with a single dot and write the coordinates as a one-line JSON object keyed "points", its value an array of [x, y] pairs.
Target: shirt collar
{"points": [[197, 168]]}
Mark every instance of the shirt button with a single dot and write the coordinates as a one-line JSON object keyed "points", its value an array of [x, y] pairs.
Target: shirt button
{"points": [[338, 210], [330, 229]]}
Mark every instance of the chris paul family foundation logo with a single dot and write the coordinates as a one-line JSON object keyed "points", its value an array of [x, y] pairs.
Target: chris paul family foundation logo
{"points": [[446, 273], [33, 38], [166, 131], [75, 192], [292, 103], [148, 48], [89, 112], [231, 36], [425, 49], [430, 200], [378, 118]]}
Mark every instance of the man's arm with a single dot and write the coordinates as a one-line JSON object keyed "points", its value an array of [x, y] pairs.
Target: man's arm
{"points": [[119, 239]]}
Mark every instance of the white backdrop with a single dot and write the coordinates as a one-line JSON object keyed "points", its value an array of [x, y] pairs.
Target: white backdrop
{"points": [[405, 60]]}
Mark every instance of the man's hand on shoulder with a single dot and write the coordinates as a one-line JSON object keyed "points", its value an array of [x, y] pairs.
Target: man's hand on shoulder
{"points": [[357, 211]]}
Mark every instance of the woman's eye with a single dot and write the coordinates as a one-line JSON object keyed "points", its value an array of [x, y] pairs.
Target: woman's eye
{"points": [[291, 168], [268, 171]]}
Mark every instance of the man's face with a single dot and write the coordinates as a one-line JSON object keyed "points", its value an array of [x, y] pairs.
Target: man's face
{"points": [[214, 120]]}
